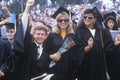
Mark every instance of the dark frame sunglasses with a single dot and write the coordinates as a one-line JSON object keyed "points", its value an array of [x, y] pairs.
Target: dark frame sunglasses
{"points": [[61, 20], [87, 17]]}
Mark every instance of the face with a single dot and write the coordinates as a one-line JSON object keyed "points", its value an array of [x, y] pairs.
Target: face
{"points": [[10, 34], [40, 36], [110, 24], [89, 20], [63, 22]]}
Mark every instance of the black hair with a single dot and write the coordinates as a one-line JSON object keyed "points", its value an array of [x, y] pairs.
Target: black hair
{"points": [[90, 11], [113, 19], [98, 24]]}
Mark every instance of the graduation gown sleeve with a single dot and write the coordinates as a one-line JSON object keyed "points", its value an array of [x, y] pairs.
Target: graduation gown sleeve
{"points": [[19, 39], [5, 56]]}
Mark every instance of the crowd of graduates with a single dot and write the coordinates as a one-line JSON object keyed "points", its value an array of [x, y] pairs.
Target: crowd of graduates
{"points": [[31, 45]]}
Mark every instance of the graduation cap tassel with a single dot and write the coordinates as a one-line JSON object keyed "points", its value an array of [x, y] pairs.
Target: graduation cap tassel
{"points": [[70, 15]]}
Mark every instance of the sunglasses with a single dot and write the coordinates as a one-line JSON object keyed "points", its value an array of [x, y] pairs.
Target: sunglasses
{"points": [[61, 20], [88, 17]]}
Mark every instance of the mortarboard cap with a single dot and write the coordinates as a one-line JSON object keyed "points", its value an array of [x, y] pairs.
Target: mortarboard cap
{"points": [[10, 26], [97, 14], [60, 10], [110, 14]]}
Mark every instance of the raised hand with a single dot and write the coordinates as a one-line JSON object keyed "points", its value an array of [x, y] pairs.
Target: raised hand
{"points": [[30, 3], [117, 40]]}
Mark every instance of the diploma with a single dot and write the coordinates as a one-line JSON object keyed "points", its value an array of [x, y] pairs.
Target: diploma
{"points": [[114, 33]]}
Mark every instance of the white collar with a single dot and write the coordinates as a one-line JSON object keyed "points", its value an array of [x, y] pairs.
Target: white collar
{"points": [[40, 45], [92, 31]]}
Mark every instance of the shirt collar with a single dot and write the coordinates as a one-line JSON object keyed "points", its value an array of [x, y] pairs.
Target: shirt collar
{"points": [[40, 45]]}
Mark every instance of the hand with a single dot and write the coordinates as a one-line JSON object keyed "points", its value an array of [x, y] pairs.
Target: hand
{"points": [[1, 74], [90, 42], [55, 57], [117, 40], [30, 3], [5, 8], [118, 37], [89, 46]]}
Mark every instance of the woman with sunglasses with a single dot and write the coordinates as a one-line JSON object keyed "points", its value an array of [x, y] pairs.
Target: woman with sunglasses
{"points": [[90, 35], [61, 31]]}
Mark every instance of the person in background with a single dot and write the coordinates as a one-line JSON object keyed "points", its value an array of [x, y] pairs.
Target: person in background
{"points": [[90, 35], [6, 60], [111, 25], [110, 21], [10, 32], [3, 20]]}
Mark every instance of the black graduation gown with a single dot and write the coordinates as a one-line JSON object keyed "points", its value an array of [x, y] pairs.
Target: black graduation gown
{"points": [[36, 67], [26, 49], [93, 65], [62, 69], [115, 67], [11, 75], [5, 59], [21, 49]]}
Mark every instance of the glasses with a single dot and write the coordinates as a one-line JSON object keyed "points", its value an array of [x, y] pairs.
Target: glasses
{"points": [[61, 20], [88, 17]]}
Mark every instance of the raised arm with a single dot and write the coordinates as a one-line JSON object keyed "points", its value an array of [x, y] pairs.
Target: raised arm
{"points": [[7, 10], [25, 16]]}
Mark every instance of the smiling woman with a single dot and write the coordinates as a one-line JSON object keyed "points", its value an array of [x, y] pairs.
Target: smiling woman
{"points": [[62, 30], [89, 19], [63, 21], [89, 36]]}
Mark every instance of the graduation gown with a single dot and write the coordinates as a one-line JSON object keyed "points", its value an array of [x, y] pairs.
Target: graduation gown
{"points": [[115, 67], [36, 67], [5, 58], [21, 49], [93, 65], [63, 69], [26, 49], [11, 75]]}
